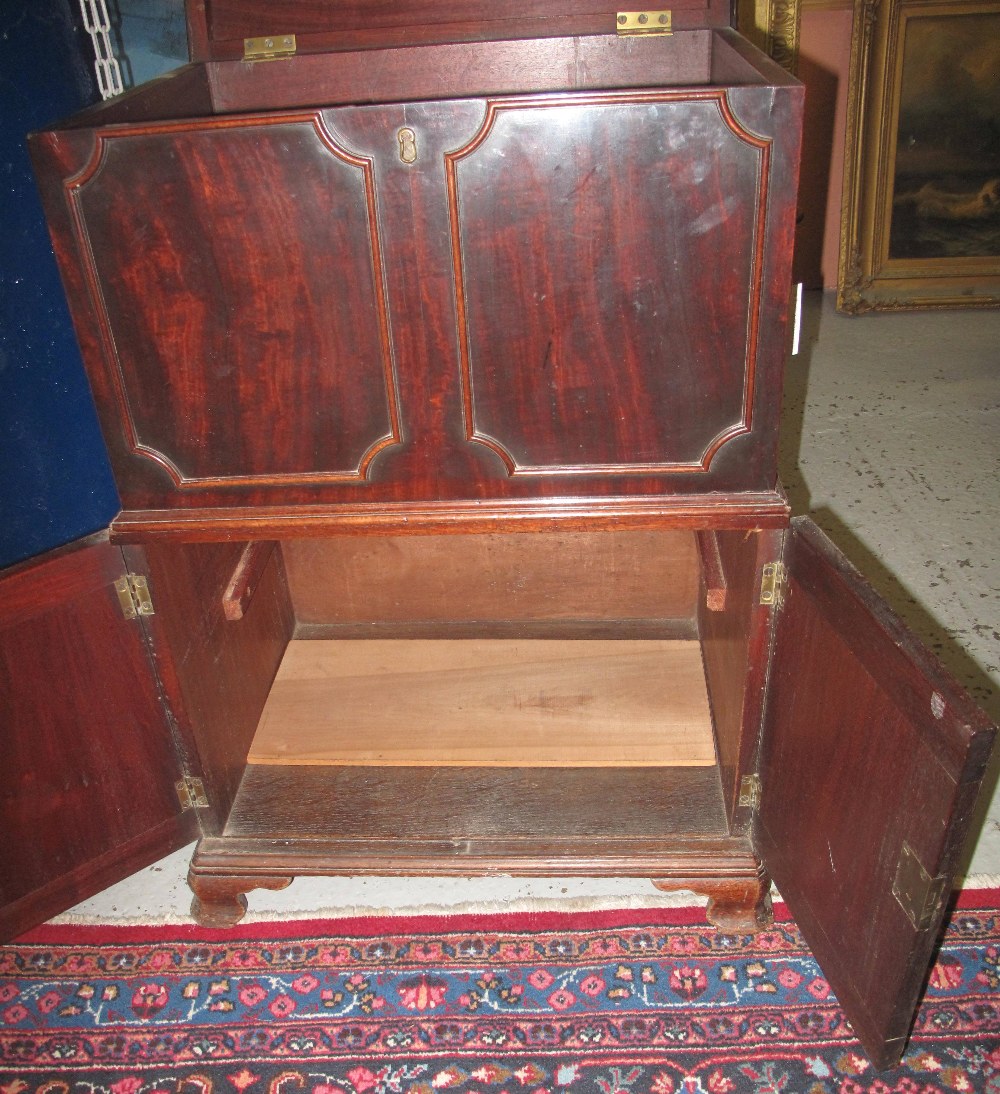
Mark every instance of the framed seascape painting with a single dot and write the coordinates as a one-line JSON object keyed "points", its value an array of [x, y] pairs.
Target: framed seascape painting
{"points": [[921, 214]]}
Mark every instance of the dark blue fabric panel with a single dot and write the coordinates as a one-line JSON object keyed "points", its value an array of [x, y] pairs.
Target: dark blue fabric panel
{"points": [[55, 481]]}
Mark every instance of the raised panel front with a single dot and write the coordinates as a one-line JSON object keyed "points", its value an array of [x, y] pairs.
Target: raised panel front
{"points": [[235, 269], [608, 255], [437, 308]]}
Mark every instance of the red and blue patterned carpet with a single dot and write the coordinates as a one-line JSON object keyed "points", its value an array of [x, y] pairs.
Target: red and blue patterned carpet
{"points": [[610, 1002]]}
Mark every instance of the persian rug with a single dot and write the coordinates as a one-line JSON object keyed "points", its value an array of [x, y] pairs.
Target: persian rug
{"points": [[624, 1002]]}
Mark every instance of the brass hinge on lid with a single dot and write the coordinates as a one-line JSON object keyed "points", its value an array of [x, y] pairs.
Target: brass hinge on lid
{"points": [[919, 895], [772, 584], [269, 48], [644, 22], [749, 792], [191, 792], [133, 596]]}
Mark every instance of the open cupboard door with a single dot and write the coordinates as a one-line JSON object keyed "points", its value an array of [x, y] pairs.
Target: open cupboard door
{"points": [[89, 761], [871, 761]]}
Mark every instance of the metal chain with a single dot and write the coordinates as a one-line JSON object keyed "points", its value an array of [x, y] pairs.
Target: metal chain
{"points": [[109, 75]]}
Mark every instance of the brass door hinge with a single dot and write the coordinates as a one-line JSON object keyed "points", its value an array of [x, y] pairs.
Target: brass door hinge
{"points": [[644, 22], [133, 596], [918, 894], [191, 792], [774, 579], [749, 792], [269, 48]]}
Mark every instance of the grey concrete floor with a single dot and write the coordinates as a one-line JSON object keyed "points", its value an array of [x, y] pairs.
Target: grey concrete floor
{"points": [[892, 442]]}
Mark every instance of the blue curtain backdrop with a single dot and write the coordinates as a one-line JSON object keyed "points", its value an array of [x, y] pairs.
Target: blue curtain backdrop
{"points": [[55, 482]]}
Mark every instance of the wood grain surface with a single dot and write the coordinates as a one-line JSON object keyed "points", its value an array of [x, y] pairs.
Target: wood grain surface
{"points": [[547, 703], [465, 70], [767, 509], [868, 745], [219, 31], [214, 672], [279, 314], [549, 186], [713, 576], [205, 404], [735, 646], [379, 813], [580, 576], [86, 749]]}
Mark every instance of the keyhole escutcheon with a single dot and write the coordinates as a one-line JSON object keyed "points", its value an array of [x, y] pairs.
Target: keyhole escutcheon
{"points": [[407, 145]]}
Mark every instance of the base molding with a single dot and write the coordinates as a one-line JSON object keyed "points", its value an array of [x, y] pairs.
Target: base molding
{"points": [[223, 871]]}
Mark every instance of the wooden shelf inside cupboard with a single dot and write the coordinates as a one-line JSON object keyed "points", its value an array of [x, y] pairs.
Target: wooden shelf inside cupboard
{"points": [[487, 703]]}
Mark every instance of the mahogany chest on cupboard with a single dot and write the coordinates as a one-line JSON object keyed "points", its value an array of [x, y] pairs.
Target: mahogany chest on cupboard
{"points": [[439, 359]]}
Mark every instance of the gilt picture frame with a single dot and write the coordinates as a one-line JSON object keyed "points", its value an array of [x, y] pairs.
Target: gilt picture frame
{"points": [[772, 26], [921, 213]]}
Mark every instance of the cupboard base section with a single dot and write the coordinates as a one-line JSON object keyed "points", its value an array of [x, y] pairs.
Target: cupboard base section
{"points": [[736, 884], [667, 824]]}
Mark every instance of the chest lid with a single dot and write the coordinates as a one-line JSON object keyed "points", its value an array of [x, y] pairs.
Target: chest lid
{"points": [[218, 29]]}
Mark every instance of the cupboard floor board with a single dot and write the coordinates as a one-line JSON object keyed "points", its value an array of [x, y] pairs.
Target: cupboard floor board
{"points": [[652, 807]]}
